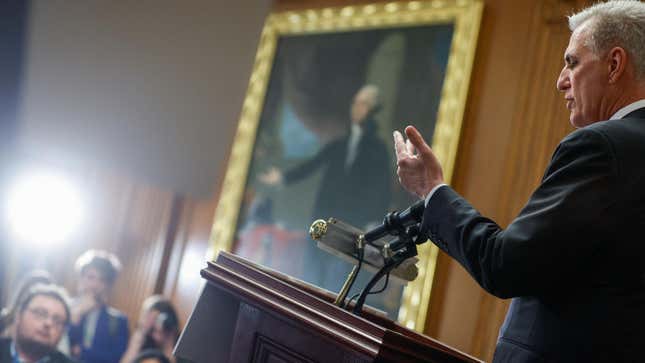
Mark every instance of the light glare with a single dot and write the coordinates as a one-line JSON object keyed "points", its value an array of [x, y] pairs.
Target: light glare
{"points": [[43, 209]]}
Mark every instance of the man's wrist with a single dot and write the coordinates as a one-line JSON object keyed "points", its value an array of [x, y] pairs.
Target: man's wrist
{"points": [[432, 191]]}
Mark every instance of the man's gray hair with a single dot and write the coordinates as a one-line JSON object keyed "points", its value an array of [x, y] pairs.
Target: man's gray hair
{"points": [[615, 23]]}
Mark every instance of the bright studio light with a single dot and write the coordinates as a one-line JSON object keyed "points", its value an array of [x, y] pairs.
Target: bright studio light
{"points": [[43, 209]]}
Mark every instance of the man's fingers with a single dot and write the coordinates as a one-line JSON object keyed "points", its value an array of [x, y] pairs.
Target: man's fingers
{"points": [[414, 136], [409, 147], [399, 145]]}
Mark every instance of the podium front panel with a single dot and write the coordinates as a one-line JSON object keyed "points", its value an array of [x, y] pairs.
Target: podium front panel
{"points": [[207, 335]]}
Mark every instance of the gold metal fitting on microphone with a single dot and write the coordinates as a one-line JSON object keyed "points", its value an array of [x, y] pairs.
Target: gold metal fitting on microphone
{"points": [[318, 229]]}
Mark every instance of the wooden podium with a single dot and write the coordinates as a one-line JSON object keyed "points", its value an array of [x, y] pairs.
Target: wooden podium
{"points": [[248, 313]]}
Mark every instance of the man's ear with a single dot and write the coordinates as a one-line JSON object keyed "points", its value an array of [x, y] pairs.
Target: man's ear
{"points": [[617, 58]]}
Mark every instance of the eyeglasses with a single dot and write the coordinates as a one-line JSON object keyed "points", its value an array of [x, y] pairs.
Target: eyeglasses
{"points": [[42, 314]]}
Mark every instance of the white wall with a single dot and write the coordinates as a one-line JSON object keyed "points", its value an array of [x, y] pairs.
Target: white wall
{"points": [[148, 88]]}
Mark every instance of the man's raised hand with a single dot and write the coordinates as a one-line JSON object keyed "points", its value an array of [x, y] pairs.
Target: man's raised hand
{"points": [[418, 168]]}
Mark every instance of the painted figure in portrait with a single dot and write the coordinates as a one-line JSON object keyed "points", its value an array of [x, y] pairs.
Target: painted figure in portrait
{"points": [[323, 146]]}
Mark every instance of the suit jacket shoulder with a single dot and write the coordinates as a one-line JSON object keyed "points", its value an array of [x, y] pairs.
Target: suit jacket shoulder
{"points": [[626, 140]]}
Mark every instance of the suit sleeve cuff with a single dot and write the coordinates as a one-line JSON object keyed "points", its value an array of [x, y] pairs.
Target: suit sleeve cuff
{"points": [[432, 193]]}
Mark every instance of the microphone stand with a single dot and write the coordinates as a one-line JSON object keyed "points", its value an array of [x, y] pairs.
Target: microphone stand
{"points": [[395, 253], [342, 295]]}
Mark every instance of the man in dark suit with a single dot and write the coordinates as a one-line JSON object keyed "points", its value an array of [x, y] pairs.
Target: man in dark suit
{"points": [[574, 259], [354, 185], [41, 317]]}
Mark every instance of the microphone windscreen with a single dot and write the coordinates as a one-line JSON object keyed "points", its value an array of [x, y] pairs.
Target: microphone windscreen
{"points": [[340, 236]]}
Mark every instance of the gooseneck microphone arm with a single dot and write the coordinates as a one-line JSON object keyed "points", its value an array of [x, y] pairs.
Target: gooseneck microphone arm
{"points": [[406, 248], [396, 222], [347, 286], [406, 226]]}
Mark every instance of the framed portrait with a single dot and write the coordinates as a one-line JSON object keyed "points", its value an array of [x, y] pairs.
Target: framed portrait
{"points": [[314, 139]]}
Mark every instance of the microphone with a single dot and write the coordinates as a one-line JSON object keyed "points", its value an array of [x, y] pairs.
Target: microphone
{"points": [[396, 221], [341, 239]]}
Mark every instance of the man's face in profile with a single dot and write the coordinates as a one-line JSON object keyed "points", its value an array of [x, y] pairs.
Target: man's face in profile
{"points": [[40, 326], [584, 81]]}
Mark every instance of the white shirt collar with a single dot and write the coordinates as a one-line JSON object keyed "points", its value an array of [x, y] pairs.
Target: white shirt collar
{"points": [[627, 109], [356, 130]]}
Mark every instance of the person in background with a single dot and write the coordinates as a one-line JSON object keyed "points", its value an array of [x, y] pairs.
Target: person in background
{"points": [[39, 322], [28, 281], [98, 333], [158, 329]]}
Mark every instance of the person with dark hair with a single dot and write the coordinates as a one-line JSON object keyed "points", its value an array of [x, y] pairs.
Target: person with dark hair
{"points": [[98, 333], [151, 356], [41, 316], [28, 281], [158, 329]]}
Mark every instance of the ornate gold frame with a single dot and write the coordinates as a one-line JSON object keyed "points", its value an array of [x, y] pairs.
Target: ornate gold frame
{"points": [[465, 14]]}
